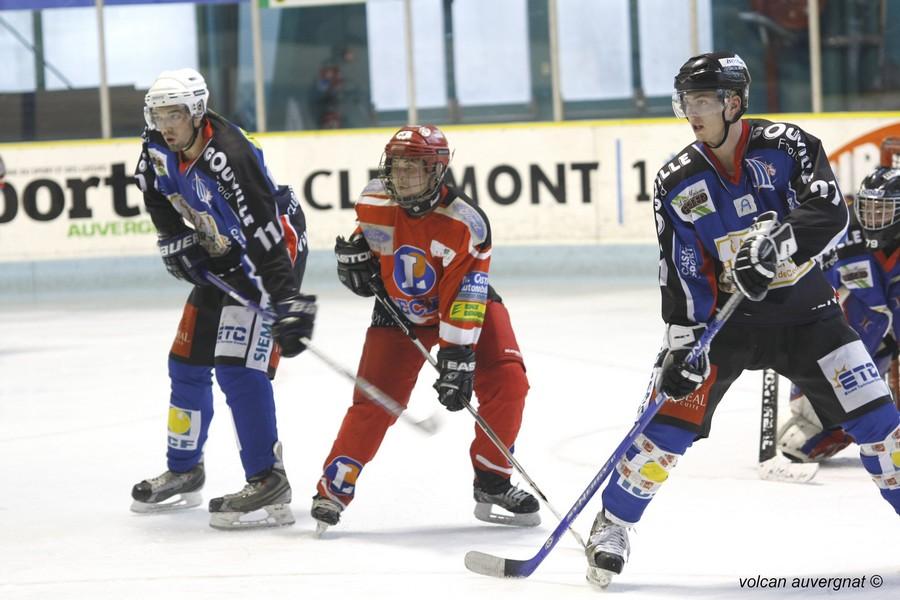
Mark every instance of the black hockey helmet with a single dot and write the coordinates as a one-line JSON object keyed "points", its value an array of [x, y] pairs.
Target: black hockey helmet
{"points": [[720, 72], [877, 207]]}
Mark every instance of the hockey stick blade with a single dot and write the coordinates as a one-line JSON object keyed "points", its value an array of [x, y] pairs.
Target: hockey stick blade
{"points": [[494, 566], [780, 468]]}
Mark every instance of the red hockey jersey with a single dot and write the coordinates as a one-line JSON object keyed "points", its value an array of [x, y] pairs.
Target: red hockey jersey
{"points": [[434, 267]]}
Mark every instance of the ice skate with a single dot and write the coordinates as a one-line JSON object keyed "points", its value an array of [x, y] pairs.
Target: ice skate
{"points": [[326, 512], [168, 492], [607, 550], [264, 501], [520, 506]]}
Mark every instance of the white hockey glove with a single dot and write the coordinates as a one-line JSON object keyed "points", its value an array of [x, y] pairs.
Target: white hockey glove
{"points": [[765, 245], [678, 378]]}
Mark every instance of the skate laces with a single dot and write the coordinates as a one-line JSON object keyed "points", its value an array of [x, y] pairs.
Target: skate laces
{"points": [[611, 538], [168, 479]]}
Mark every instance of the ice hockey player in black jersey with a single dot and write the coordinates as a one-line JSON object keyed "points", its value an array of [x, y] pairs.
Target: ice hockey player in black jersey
{"points": [[217, 209], [745, 209]]}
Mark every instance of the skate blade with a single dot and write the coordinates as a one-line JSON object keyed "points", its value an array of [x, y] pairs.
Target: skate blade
{"points": [[599, 577], [321, 528], [274, 515], [176, 502], [484, 512]]}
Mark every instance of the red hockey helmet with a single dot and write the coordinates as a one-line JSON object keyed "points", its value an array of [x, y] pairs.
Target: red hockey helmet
{"points": [[413, 167]]}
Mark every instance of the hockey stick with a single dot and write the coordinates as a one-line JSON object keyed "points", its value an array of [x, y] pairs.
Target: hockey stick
{"points": [[495, 566], [894, 380], [772, 465], [406, 327], [428, 426]]}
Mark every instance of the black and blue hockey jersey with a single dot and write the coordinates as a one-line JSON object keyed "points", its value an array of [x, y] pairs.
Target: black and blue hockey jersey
{"points": [[230, 199], [703, 214]]}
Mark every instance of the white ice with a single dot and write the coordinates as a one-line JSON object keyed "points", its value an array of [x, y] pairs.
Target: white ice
{"points": [[83, 402]]}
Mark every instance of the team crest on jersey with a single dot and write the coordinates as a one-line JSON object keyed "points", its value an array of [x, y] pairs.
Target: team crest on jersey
{"points": [[856, 275], [693, 202], [341, 474], [184, 428], [761, 174], [202, 192], [413, 275]]}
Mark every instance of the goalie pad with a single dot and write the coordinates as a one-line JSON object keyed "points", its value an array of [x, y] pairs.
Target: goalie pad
{"points": [[803, 439]]}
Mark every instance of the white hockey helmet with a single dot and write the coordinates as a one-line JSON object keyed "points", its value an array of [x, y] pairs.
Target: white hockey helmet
{"points": [[184, 87]]}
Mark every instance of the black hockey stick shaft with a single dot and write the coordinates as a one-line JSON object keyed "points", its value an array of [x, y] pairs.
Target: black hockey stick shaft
{"points": [[404, 324], [769, 415]]}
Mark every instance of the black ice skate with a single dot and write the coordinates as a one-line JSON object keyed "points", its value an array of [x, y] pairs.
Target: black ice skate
{"points": [[326, 512], [607, 550], [264, 501], [170, 491], [493, 491]]}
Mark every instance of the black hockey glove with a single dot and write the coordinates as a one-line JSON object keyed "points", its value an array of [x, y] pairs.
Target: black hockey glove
{"points": [[765, 245], [457, 374], [678, 378], [296, 317], [356, 266], [184, 257]]}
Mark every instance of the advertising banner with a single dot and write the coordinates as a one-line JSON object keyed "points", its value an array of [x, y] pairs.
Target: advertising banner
{"points": [[547, 183]]}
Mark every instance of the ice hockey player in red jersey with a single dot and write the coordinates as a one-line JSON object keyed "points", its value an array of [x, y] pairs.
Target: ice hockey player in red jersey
{"points": [[430, 248]]}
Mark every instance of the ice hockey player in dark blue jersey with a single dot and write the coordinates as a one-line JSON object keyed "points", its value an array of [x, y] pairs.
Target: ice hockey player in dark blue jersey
{"points": [[744, 209], [217, 209], [865, 267]]}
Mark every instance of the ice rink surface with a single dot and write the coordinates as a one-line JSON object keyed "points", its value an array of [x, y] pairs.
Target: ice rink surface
{"points": [[83, 403]]}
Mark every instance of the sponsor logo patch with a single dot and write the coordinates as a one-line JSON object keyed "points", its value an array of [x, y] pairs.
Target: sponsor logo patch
{"points": [[413, 275], [857, 275], [693, 202], [467, 312], [184, 428], [687, 262], [853, 375], [341, 474], [474, 286]]}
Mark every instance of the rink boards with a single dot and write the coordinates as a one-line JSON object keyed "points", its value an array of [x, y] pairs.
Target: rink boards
{"points": [[582, 182]]}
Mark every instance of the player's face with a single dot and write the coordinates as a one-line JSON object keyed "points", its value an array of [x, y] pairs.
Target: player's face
{"points": [[876, 213], [409, 177], [703, 111], [174, 123]]}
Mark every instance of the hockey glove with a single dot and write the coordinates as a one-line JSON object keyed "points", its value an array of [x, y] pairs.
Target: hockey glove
{"points": [[356, 266], [457, 374], [296, 317], [184, 257], [678, 378], [765, 245]]}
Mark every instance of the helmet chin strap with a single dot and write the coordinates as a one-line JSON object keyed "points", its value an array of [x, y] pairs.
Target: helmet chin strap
{"points": [[192, 140], [193, 136], [728, 125]]}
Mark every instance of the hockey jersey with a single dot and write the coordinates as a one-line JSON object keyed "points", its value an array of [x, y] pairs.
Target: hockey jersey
{"points": [[871, 280], [230, 199], [703, 214], [434, 267]]}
